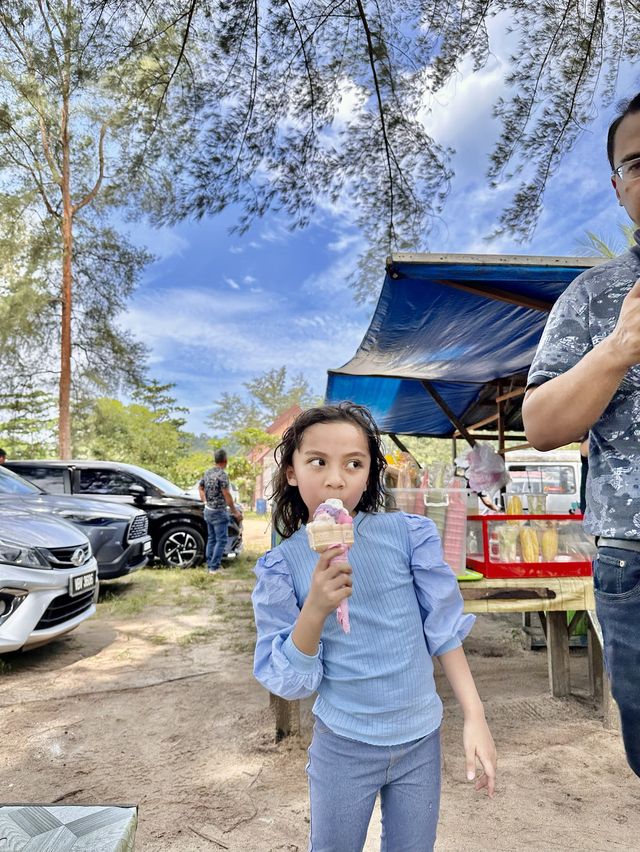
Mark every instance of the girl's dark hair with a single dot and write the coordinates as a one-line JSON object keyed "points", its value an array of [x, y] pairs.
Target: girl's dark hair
{"points": [[289, 511]]}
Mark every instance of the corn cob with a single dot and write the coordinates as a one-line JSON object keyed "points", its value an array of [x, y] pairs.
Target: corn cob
{"points": [[549, 545], [514, 507], [529, 544]]}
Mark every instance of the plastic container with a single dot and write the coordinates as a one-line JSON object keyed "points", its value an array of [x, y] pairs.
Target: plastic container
{"points": [[520, 546], [447, 508]]}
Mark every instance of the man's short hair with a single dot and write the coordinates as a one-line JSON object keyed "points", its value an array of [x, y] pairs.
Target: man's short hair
{"points": [[625, 108], [220, 456], [3, 452]]}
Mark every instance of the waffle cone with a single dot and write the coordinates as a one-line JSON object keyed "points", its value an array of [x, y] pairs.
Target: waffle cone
{"points": [[323, 535]]}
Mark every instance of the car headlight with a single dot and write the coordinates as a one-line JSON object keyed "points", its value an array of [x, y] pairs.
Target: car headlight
{"points": [[16, 554], [87, 520]]}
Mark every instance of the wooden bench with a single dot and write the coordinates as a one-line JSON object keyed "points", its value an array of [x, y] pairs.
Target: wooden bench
{"points": [[551, 598]]}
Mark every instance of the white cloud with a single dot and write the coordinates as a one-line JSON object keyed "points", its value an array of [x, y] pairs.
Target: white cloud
{"points": [[161, 242], [249, 279], [274, 231], [344, 241], [209, 343], [232, 283], [332, 279]]}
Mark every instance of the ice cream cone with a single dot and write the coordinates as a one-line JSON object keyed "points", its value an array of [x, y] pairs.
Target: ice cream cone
{"points": [[322, 534], [333, 526]]}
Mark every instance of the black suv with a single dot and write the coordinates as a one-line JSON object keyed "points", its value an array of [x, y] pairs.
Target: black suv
{"points": [[176, 521]]}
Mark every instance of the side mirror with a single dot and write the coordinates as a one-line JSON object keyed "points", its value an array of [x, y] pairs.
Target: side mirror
{"points": [[138, 492]]}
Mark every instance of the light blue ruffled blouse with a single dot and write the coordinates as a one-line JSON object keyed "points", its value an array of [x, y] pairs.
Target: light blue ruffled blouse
{"points": [[376, 683]]}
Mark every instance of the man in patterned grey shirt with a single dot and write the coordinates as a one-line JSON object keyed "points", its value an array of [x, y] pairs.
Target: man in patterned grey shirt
{"points": [[216, 496], [585, 377]]}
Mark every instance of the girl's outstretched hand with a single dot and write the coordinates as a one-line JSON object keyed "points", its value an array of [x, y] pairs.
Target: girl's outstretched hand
{"points": [[479, 747], [330, 581]]}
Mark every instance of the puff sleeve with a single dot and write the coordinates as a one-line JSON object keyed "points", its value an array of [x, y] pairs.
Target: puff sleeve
{"points": [[441, 605], [278, 665]]}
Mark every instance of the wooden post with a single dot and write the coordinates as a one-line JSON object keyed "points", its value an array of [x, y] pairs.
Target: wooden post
{"points": [[558, 654], [610, 714], [287, 715]]}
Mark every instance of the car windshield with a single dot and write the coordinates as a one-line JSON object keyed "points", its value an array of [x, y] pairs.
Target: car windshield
{"points": [[11, 483], [159, 481]]}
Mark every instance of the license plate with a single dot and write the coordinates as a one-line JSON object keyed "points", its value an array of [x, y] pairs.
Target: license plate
{"points": [[82, 583], [146, 547]]}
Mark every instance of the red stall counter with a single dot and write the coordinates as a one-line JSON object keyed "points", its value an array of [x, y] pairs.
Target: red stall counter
{"points": [[521, 546]]}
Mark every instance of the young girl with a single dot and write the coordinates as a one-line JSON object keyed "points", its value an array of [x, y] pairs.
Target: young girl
{"points": [[377, 715]]}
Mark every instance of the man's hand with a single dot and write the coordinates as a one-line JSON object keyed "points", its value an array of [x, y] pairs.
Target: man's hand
{"points": [[625, 338]]}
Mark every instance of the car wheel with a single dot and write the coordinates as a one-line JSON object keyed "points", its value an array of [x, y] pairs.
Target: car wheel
{"points": [[181, 547]]}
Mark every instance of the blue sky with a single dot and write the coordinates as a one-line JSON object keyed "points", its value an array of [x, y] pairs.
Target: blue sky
{"points": [[216, 310]]}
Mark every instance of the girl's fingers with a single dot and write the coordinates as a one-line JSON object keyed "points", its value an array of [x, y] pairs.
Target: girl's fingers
{"points": [[470, 764], [332, 579], [487, 781], [488, 778], [330, 553]]}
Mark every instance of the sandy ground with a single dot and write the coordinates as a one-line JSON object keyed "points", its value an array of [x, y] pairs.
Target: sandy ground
{"points": [[109, 715]]}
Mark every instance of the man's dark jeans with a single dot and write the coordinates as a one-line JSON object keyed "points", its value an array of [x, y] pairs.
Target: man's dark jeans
{"points": [[217, 523], [616, 580]]}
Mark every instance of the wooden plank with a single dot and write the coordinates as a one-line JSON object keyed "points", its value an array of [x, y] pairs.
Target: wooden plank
{"points": [[491, 419], [471, 593], [511, 394], [490, 291], [462, 429], [560, 593], [501, 428], [493, 436], [558, 654], [547, 262]]}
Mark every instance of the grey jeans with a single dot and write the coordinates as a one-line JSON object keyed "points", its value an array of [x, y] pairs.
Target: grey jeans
{"points": [[344, 778]]}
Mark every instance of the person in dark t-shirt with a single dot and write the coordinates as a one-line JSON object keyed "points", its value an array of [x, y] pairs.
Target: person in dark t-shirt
{"points": [[215, 494]]}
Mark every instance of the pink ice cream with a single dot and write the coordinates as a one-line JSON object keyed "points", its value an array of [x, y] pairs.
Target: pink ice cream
{"points": [[332, 524]]}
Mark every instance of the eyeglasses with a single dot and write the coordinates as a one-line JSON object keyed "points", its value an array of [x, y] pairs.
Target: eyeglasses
{"points": [[628, 171]]}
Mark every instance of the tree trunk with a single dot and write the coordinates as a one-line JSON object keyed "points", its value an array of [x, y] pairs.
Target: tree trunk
{"points": [[64, 397]]}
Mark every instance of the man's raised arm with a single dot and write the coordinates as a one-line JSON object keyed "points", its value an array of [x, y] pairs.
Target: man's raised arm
{"points": [[562, 409]]}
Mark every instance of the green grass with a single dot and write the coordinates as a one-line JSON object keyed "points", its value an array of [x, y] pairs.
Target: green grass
{"points": [[227, 594], [200, 634], [156, 638]]}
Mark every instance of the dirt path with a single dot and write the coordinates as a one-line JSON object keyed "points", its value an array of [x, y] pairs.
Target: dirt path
{"points": [[159, 708]]}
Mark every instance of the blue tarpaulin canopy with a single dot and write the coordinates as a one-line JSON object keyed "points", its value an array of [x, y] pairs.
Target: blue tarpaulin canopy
{"points": [[451, 341]]}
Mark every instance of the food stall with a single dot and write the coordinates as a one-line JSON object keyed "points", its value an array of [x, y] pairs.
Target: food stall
{"points": [[446, 355]]}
